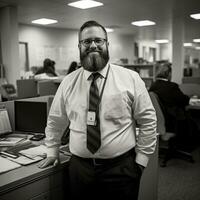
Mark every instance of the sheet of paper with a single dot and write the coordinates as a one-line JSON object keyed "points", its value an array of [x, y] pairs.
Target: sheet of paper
{"points": [[7, 165], [35, 151]]}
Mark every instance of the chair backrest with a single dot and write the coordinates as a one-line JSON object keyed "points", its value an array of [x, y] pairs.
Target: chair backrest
{"points": [[160, 117]]}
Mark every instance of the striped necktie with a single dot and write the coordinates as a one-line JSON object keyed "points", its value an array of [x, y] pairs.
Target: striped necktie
{"points": [[93, 130]]}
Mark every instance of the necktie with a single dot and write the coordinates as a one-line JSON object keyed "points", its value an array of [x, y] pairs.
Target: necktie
{"points": [[93, 131]]}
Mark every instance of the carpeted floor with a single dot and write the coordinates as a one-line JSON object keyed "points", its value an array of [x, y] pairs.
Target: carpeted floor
{"points": [[180, 180]]}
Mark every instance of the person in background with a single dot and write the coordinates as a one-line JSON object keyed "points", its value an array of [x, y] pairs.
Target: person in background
{"points": [[73, 66], [173, 103], [103, 104], [48, 68]]}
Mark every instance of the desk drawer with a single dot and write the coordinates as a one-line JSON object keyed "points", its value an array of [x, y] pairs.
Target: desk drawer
{"points": [[28, 191], [43, 196]]}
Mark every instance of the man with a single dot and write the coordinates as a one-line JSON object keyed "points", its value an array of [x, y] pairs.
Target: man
{"points": [[103, 109], [173, 103]]}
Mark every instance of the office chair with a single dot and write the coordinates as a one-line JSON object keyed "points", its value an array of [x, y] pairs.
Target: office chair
{"points": [[167, 146]]}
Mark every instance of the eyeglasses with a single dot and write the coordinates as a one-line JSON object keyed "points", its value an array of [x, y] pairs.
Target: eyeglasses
{"points": [[97, 41]]}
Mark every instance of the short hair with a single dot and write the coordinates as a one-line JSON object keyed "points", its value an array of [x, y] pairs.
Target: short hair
{"points": [[91, 24], [163, 70]]}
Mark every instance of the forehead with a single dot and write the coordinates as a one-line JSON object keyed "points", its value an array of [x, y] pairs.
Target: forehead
{"points": [[92, 32]]}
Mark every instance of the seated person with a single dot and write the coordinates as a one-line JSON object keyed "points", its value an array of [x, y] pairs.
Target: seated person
{"points": [[173, 103], [73, 66], [48, 68]]}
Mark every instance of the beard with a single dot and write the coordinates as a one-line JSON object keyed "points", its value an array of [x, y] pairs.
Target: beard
{"points": [[94, 60]]}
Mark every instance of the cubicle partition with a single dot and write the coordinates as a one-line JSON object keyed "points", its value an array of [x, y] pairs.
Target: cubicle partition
{"points": [[27, 88]]}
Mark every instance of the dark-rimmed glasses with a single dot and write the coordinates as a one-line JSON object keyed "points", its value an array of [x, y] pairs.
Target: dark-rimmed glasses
{"points": [[97, 41]]}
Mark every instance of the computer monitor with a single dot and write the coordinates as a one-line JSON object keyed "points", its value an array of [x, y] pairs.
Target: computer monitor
{"points": [[30, 116]]}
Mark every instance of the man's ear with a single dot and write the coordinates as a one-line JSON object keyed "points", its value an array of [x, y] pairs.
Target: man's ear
{"points": [[79, 46], [108, 43]]}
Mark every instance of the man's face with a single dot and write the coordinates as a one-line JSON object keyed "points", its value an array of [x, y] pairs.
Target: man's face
{"points": [[93, 48]]}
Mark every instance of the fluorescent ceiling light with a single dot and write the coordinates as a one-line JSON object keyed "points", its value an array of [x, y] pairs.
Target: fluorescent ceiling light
{"points": [[162, 41], [195, 16], [44, 21], [109, 30], [187, 44], [198, 48], [84, 4], [143, 23], [196, 40]]}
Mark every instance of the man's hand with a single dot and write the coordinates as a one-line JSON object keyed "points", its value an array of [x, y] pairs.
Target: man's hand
{"points": [[48, 161]]}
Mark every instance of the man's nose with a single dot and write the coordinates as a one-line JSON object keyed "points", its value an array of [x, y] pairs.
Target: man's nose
{"points": [[93, 45]]}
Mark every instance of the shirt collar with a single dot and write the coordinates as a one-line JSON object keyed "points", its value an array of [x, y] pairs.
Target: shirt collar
{"points": [[102, 72], [162, 79]]}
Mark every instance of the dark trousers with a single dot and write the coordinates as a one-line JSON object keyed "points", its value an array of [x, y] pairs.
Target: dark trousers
{"points": [[118, 180]]}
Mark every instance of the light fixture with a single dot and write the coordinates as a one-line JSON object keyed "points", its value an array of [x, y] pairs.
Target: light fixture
{"points": [[143, 23], [84, 4], [196, 40], [198, 48], [109, 30], [187, 44], [195, 16], [44, 21], [163, 41]]}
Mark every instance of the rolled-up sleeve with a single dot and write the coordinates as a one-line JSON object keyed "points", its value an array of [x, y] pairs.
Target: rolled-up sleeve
{"points": [[145, 116]]}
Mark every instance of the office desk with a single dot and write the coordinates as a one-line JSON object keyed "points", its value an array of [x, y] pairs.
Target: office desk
{"points": [[194, 111], [193, 107], [32, 183]]}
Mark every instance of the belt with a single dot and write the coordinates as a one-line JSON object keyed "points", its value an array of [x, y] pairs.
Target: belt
{"points": [[99, 161]]}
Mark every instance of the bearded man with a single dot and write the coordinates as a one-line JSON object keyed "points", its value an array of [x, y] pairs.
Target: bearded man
{"points": [[102, 103]]}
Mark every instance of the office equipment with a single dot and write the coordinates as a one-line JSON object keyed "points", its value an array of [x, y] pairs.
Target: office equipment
{"points": [[30, 116], [5, 126], [7, 165], [6, 138], [37, 137]]}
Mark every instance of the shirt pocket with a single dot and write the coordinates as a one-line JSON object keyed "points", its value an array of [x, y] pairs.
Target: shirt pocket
{"points": [[77, 117], [116, 107]]}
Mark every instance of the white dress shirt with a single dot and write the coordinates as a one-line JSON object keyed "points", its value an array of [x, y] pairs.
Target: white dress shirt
{"points": [[125, 103]]}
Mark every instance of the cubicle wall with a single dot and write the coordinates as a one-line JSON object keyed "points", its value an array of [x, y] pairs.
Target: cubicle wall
{"points": [[28, 88]]}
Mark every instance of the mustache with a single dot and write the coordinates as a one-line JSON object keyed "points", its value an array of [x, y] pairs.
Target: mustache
{"points": [[91, 51]]}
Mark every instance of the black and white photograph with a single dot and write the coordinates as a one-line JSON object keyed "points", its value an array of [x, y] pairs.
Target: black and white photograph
{"points": [[99, 100]]}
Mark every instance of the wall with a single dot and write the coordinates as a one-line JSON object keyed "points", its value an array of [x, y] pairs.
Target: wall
{"points": [[61, 45], [166, 52], [9, 43], [147, 44]]}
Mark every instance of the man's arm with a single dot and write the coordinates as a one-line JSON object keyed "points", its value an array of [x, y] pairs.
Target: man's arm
{"points": [[56, 124], [145, 116]]}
